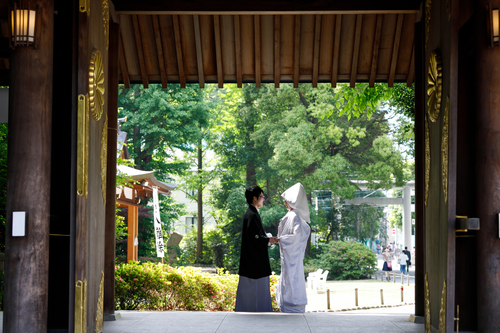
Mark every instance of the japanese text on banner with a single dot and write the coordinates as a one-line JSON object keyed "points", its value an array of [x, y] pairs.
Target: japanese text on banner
{"points": [[160, 249]]}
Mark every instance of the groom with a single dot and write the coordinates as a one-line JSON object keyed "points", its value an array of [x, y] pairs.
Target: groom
{"points": [[253, 293]]}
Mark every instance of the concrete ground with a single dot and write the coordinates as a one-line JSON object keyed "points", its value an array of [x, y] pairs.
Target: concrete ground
{"points": [[317, 318], [383, 320]]}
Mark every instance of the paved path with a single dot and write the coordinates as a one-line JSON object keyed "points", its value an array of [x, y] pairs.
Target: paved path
{"points": [[386, 320]]}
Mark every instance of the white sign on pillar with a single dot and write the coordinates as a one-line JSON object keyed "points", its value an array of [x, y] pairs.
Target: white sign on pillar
{"points": [[160, 249]]}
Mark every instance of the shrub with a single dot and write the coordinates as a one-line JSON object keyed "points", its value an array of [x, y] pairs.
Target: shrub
{"points": [[346, 261], [149, 286]]}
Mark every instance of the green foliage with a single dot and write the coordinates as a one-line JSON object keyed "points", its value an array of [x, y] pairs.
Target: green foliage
{"points": [[159, 120], [360, 222], [396, 217], [160, 287], [345, 261], [213, 249]]}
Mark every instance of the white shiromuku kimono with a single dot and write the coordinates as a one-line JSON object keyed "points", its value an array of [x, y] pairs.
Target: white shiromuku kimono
{"points": [[293, 233]]}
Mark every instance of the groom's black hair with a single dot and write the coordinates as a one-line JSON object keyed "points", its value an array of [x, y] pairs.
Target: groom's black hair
{"points": [[252, 191]]}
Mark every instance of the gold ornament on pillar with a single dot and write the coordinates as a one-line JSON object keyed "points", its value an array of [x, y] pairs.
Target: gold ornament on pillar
{"points": [[82, 157], [96, 85], [428, 6], [434, 85], [104, 158], [100, 307], [85, 6], [442, 311], [444, 149], [427, 306], [105, 19], [427, 173]]}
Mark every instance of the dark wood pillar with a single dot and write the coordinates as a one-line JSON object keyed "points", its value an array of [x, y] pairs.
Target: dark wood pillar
{"points": [[28, 179], [486, 91], [110, 231], [419, 171]]}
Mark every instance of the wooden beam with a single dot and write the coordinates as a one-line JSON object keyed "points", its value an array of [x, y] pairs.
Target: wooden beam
{"points": [[296, 52], [110, 219], [218, 51], [411, 70], [132, 226], [140, 51], [237, 45], [376, 45], [355, 52], [395, 49], [159, 49], [317, 38], [257, 50], [199, 54], [260, 7], [123, 64], [336, 49], [178, 49], [277, 52]]}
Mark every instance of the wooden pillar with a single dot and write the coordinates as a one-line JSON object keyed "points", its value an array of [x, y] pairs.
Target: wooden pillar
{"points": [[485, 89], [110, 227], [132, 225], [28, 179], [419, 171]]}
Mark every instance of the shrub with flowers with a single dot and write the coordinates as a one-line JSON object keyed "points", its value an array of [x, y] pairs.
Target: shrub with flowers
{"points": [[149, 286], [346, 261]]}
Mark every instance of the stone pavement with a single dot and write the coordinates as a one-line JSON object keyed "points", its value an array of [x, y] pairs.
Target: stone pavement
{"points": [[383, 320]]}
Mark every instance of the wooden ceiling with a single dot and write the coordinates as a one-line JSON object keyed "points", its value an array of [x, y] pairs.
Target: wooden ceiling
{"points": [[292, 41]]}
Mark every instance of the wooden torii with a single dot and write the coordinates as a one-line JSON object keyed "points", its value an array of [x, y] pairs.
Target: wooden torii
{"points": [[141, 187]]}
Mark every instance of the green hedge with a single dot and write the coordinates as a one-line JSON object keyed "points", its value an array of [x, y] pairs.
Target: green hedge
{"points": [[345, 261], [149, 286]]}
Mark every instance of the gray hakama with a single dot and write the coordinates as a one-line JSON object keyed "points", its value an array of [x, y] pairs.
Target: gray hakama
{"points": [[253, 295]]}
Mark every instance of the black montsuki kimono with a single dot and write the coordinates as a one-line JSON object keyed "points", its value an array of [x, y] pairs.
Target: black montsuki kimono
{"points": [[253, 293]]}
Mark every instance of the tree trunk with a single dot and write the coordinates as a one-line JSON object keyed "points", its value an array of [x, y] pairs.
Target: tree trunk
{"points": [[251, 174], [199, 238]]}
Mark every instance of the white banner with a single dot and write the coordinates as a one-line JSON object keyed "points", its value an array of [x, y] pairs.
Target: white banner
{"points": [[160, 249]]}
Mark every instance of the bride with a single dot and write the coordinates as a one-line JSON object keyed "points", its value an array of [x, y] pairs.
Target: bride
{"points": [[293, 233]]}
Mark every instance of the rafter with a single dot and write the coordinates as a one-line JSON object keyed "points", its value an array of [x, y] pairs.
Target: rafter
{"points": [[296, 52], [376, 45], [159, 49], [140, 51], [178, 49], [411, 70], [317, 38], [257, 51], [277, 52], [336, 49], [395, 49], [355, 52], [218, 51], [123, 63], [199, 54], [237, 45]]}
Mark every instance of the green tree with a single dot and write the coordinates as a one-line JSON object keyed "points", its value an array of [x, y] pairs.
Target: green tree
{"points": [[160, 120]]}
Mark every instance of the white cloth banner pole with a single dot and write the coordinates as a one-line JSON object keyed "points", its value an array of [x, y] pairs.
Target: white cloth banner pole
{"points": [[160, 249]]}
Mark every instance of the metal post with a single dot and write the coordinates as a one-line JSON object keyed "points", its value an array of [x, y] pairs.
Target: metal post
{"points": [[394, 275], [402, 294], [328, 299], [382, 296], [356, 293], [408, 279]]}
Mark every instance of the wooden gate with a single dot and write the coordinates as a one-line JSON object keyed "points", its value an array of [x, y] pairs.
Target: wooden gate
{"points": [[93, 47], [439, 69]]}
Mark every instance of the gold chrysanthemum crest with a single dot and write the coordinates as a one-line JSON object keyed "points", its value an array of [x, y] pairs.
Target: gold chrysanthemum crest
{"points": [[434, 85], [96, 85]]}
